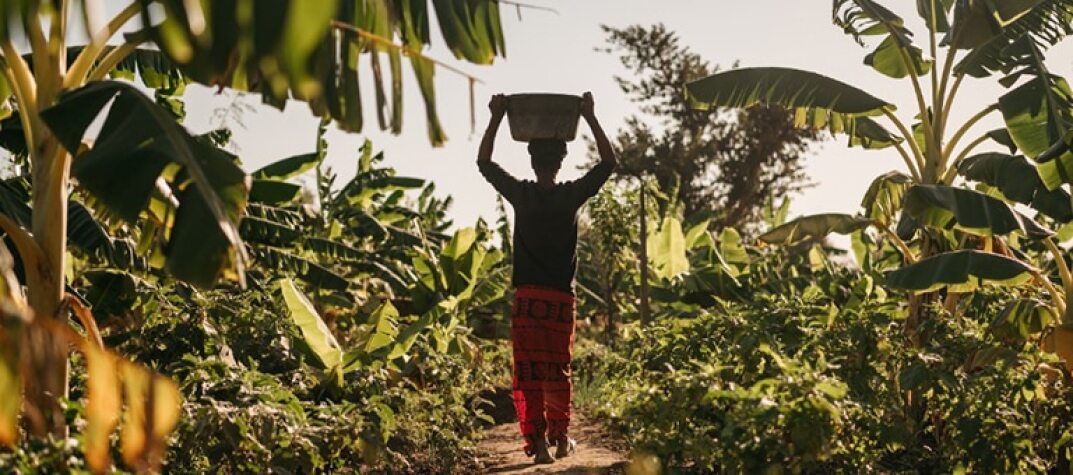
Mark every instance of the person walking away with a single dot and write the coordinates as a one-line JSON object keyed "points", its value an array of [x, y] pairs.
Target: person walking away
{"points": [[545, 263]]}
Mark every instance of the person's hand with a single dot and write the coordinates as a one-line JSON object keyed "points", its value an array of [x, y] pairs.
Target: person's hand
{"points": [[587, 106], [498, 106]]}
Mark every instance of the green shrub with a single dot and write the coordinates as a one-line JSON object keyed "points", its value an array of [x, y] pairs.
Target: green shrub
{"points": [[823, 381]]}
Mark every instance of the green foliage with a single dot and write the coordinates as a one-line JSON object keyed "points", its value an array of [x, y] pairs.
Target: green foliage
{"points": [[138, 137], [814, 227], [291, 49], [252, 402], [667, 249], [315, 333], [813, 378], [816, 100], [267, 373], [960, 271], [968, 211]]}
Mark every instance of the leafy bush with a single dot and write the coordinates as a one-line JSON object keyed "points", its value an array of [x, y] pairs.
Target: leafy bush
{"points": [[819, 380]]}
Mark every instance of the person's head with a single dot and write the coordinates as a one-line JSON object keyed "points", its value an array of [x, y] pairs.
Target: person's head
{"points": [[547, 156]]}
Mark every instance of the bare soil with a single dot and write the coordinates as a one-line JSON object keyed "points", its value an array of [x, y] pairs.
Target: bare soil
{"points": [[598, 451]]}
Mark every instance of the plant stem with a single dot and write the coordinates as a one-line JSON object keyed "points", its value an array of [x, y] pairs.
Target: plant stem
{"points": [[1059, 259], [951, 172], [965, 128], [908, 135], [23, 85], [898, 242], [1056, 296], [28, 250], [644, 257], [112, 59], [35, 35], [929, 136], [949, 104], [57, 36], [21, 99], [936, 100], [944, 101], [908, 161], [85, 60]]}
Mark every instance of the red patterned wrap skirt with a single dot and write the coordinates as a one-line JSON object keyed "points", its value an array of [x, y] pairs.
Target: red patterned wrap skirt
{"points": [[542, 331]]}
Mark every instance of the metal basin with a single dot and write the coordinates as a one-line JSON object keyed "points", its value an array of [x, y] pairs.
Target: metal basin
{"points": [[543, 116]]}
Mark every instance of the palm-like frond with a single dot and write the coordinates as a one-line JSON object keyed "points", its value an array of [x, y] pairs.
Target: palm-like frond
{"points": [[1046, 24]]}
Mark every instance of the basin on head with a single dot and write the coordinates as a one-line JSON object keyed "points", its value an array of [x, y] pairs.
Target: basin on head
{"points": [[543, 116]]}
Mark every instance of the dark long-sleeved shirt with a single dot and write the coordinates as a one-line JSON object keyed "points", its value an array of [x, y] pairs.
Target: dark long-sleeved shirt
{"points": [[545, 223]]}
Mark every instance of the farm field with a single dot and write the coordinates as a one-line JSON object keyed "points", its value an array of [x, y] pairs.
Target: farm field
{"points": [[277, 237]]}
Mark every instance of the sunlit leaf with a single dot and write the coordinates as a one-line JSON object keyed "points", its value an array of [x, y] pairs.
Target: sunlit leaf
{"points": [[1039, 114], [1044, 21], [731, 247], [887, 60], [694, 235], [1023, 318], [384, 325], [288, 167], [316, 334], [868, 134], [667, 250], [865, 18], [814, 227], [883, 200], [311, 51]]}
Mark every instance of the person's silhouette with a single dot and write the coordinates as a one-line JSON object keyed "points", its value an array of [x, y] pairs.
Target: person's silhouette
{"points": [[545, 262]]}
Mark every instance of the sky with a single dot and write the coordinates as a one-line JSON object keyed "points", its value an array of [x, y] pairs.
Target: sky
{"points": [[548, 52]]}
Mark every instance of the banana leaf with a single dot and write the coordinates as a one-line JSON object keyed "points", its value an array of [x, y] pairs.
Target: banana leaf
{"points": [[315, 333], [960, 271], [136, 142], [970, 211], [814, 227]]}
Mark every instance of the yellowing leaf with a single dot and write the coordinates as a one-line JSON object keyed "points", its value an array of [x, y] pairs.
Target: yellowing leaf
{"points": [[103, 404], [10, 383], [153, 405]]}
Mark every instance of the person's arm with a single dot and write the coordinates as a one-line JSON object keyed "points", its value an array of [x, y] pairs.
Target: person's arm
{"points": [[498, 107], [595, 178], [502, 181], [603, 145]]}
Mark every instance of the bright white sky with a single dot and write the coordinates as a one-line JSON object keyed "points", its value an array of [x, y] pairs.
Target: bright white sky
{"points": [[555, 53]]}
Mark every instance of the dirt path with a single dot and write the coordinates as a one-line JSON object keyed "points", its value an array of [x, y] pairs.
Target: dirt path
{"points": [[501, 449]]}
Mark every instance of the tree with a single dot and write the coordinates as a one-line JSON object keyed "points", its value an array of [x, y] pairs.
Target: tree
{"points": [[727, 162], [180, 195], [606, 261], [951, 238]]}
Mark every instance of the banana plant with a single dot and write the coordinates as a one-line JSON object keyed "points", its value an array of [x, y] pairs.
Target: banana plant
{"points": [[963, 39], [465, 275], [142, 166]]}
